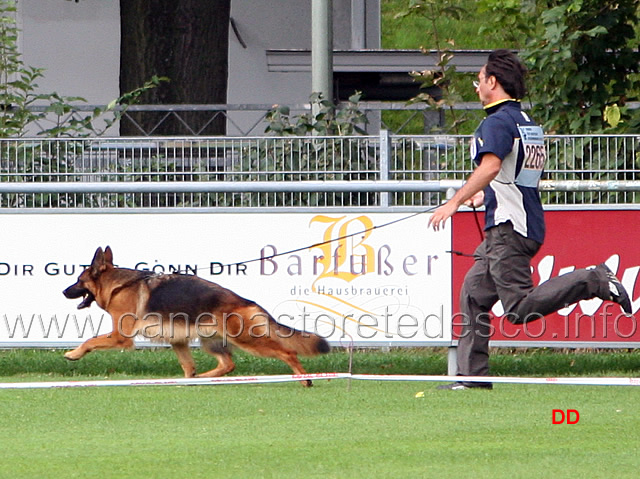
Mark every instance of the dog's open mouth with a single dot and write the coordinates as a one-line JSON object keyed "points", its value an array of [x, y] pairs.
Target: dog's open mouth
{"points": [[87, 300]]}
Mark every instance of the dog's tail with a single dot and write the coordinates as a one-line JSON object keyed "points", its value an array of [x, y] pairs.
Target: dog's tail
{"points": [[302, 342]]}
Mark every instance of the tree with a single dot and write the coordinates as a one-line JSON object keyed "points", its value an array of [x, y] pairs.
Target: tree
{"points": [[186, 41], [18, 94], [440, 86], [584, 60]]}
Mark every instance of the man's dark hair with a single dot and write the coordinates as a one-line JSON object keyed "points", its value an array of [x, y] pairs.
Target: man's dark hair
{"points": [[509, 71]]}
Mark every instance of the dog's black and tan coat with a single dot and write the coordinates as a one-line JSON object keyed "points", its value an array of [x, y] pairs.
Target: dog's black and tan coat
{"points": [[176, 309]]}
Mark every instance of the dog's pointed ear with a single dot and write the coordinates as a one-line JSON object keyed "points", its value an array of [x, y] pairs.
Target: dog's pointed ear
{"points": [[108, 255], [97, 263], [98, 257]]}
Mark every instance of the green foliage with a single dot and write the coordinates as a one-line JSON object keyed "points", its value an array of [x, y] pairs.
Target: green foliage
{"points": [[582, 54], [22, 162], [321, 156], [416, 31], [18, 97], [513, 16], [583, 60], [432, 9], [17, 82], [325, 118], [70, 123], [441, 86]]}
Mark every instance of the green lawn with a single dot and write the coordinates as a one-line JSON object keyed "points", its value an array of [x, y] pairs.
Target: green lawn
{"points": [[42, 365], [335, 429], [416, 31]]}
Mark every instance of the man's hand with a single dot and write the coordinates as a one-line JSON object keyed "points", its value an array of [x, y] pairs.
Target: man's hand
{"points": [[476, 200], [471, 192], [442, 214]]}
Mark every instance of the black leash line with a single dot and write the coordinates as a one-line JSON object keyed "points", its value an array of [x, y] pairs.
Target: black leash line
{"points": [[480, 232], [475, 216], [404, 218], [375, 227]]}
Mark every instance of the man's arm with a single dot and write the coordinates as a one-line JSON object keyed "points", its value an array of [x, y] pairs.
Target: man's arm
{"points": [[486, 171]]}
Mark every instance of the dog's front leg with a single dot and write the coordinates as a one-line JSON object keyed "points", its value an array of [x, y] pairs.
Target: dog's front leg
{"points": [[124, 330], [104, 341]]}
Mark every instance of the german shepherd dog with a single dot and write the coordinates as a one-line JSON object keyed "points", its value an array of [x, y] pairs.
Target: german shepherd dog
{"points": [[177, 308]]}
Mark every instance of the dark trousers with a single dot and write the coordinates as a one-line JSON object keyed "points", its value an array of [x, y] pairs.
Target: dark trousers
{"points": [[502, 271]]}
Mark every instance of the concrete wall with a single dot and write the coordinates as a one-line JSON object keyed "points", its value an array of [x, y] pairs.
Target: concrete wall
{"points": [[285, 24], [78, 44], [278, 24]]}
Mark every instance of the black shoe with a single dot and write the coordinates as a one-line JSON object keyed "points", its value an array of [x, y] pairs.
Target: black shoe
{"points": [[617, 293], [460, 385]]}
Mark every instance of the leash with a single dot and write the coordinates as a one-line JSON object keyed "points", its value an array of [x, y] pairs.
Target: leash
{"points": [[340, 238], [302, 248], [375, 227], [475, 216], [480, 231]]}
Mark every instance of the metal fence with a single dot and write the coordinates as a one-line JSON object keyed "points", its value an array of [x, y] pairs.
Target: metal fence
{"points": [[246, 119], [382, 170]]}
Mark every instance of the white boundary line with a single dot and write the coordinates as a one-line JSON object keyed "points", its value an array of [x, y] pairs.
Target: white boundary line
{"points": [[173, 381], [575, 381]]}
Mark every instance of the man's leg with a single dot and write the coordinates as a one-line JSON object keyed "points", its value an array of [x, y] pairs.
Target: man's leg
{"points": [[561, 291], [477, 297], [512, 276]]}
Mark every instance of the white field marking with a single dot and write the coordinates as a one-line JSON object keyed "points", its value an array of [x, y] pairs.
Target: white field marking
{"points": [[575, 381]]}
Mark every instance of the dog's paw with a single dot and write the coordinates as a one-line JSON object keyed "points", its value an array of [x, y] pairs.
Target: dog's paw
{"points": [[72, 355]]}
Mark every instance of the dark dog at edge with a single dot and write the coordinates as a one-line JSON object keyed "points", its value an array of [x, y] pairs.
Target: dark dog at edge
{"points": [[177, 308]]}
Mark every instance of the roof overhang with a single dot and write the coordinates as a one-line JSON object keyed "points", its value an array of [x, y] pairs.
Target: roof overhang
{"points": [[466, 61]]}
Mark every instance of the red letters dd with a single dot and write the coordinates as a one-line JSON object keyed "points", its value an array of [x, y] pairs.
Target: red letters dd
{"points": [[572, 416]]}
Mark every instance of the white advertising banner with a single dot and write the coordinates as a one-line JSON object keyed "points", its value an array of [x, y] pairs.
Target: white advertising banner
{"points": [[347, 277]]}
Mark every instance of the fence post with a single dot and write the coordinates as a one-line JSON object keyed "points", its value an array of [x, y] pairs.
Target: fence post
{"points": [[452, 360], [452, 352], [385, 162]]}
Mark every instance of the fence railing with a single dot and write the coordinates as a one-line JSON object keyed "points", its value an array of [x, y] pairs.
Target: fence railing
{"points": [[398, 117], [250, 119], [382, 170]]}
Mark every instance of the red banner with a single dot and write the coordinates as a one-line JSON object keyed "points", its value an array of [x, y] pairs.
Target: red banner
{"points": [[575, 239]]}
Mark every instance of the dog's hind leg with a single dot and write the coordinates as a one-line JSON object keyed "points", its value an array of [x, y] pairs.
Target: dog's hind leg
{"points": [[185, 358], [269, 348], [222, 354]]}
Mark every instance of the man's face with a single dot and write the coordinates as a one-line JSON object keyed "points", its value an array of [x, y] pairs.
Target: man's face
{"points": [[483, 89]]}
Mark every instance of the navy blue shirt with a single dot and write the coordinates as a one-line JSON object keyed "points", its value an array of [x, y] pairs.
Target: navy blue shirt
{"points": [[518, 141]]}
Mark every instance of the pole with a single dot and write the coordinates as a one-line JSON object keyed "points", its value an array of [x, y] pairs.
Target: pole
{"points": [[322, 48]]}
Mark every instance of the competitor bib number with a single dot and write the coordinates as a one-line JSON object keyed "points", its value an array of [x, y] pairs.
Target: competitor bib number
{"points": [[535, 155]]}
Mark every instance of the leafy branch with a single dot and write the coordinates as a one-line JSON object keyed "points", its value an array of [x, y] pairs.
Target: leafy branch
{"points": [[439, 85], [583, 59], [328, 118]]}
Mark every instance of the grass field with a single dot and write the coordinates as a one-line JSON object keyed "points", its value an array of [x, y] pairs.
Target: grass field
{"points": [[335, 429], [416, 31], [419, 31]]}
